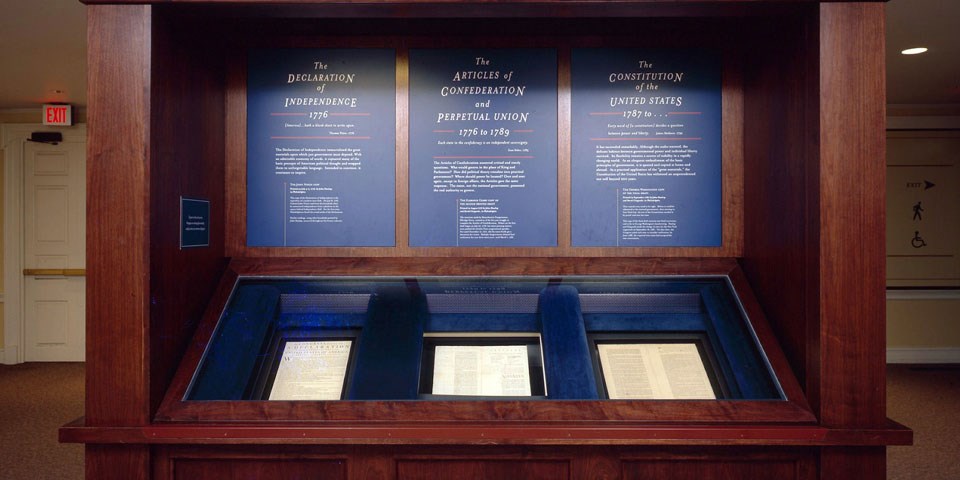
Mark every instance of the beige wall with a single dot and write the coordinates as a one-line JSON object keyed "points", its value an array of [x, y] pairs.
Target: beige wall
{"points": [[924, 323], [927, 320], [9, 117]]}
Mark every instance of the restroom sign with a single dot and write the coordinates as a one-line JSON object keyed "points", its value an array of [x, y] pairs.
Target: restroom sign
{"points": [[58, 115]]}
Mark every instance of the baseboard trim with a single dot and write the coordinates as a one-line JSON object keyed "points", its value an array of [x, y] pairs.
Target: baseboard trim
{"points": [[8, 355], [923, 355]]}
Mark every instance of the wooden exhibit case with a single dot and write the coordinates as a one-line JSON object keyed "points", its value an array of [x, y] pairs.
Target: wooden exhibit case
{"points": [[799, 252]]}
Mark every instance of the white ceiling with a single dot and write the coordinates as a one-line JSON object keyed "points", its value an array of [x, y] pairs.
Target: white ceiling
{"points": [[43, 52]]}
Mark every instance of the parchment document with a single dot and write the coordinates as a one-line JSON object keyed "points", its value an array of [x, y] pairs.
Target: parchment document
{"points": [[311, 370], [649, 371], [489, 370]]}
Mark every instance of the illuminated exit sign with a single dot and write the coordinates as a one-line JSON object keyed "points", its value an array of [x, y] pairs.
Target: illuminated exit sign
{"points": [[57, 115]]}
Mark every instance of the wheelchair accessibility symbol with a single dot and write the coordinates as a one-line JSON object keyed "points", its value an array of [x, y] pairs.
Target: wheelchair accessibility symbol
{"points": [[917, 240]]}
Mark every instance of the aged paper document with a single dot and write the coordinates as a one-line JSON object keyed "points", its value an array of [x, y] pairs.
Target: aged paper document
{"points": [[488, 370], [649, 371], [311, 370]]}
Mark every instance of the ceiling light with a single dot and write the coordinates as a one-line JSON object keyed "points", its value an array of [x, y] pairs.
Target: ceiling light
{"points": [[914, 51]]}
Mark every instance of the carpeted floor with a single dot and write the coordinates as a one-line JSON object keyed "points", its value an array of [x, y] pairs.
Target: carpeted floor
{"points": [[37, 398], [926, 399]]}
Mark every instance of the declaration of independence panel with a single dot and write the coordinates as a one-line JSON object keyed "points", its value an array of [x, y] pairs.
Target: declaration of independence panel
{"points": [[321, 156]]}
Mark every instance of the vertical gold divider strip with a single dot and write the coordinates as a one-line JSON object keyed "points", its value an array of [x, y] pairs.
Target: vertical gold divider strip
{"points": [[563, 150], [402, 187]]}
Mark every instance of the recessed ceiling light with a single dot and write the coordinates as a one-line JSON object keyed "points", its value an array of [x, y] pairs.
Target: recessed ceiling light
{"points": [[914, 51]]}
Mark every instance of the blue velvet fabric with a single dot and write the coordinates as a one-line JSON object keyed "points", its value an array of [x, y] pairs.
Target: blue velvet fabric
{"points": [[644, 322], [745, 367], [388, 352], [567, 364], [483, 322], [321, 321], [233, 352]]}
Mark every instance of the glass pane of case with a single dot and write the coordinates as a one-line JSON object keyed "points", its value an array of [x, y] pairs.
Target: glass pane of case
{"points": [[385, 338]]}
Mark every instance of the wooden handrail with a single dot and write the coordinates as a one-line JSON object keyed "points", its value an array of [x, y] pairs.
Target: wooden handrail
{"points": [[62, 272]]}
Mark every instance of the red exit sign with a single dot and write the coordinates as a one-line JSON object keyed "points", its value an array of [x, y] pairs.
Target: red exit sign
{"points": [[57, 115]]}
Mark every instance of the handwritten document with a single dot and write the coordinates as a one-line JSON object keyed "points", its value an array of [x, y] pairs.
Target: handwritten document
{"points": [[311, 370], [649, 371], [488, 370]]}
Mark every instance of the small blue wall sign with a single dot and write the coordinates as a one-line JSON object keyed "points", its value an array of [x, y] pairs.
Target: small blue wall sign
{"points": [[194, 223]]}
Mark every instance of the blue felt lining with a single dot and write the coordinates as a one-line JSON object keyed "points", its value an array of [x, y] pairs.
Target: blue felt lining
{"points": [[749, 370], [723, 362], [326, 321], [233, 353], [567, 364], [388, 351], [483, 322], [639, 322]]}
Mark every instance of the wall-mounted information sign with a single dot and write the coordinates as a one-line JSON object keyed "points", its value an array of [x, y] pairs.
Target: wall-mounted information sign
{"points": [[646, 148], [321, 136], [923, 209], [194, 223], [483, 147]]}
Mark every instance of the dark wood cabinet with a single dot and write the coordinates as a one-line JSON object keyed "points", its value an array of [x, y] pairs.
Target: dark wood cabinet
{"points": [[802, 240]]}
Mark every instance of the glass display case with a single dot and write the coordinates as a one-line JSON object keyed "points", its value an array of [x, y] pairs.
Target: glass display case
{"points": [[563, 338], [328, 347]]}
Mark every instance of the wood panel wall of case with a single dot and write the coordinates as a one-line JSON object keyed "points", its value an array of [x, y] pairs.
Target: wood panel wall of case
{"points": [[800, 243]]}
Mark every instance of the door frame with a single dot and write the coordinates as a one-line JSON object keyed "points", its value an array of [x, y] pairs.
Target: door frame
{"points": [[14, 136]]}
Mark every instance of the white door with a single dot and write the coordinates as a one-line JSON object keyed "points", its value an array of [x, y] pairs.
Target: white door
{"points": [[54, 243]]}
